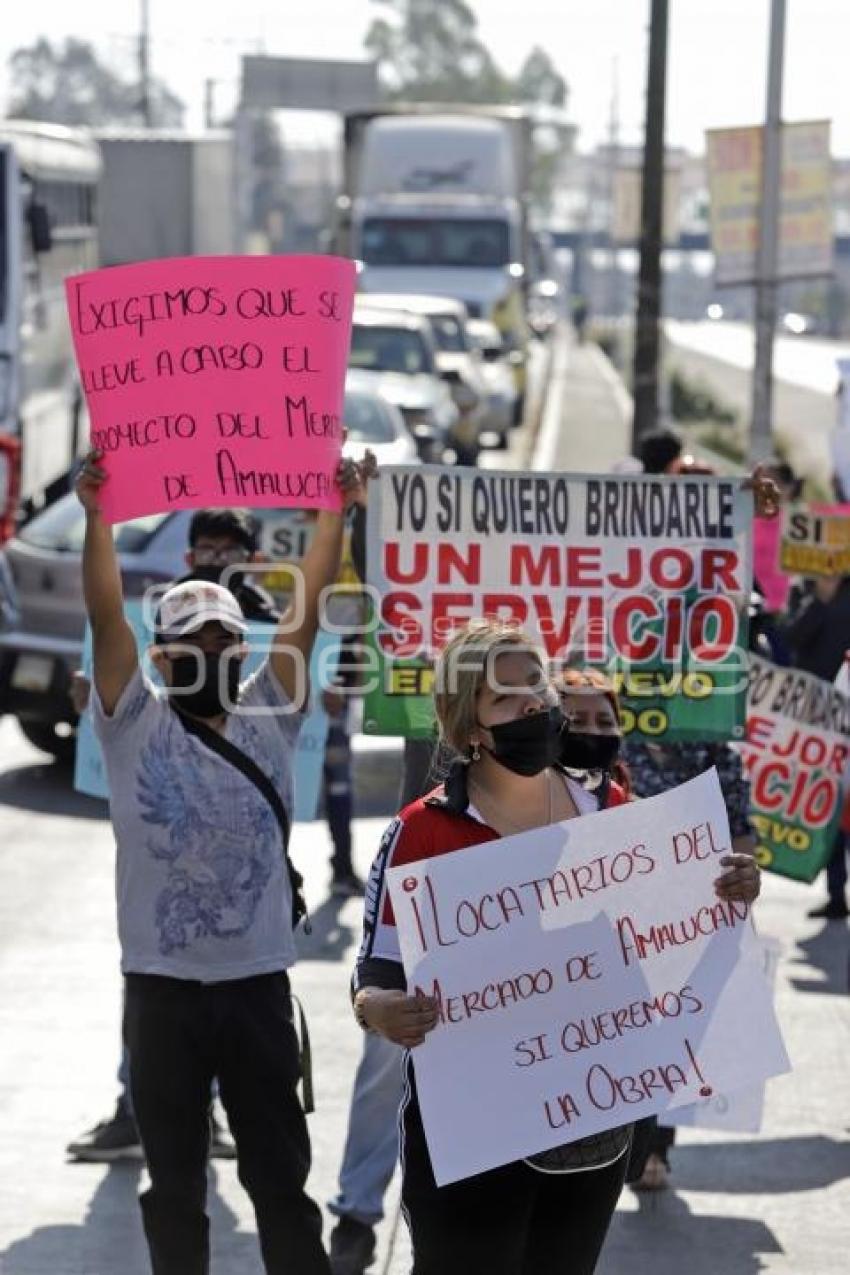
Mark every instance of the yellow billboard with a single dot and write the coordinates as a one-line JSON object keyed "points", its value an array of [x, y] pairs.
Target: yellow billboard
{"points": [[734, 158], [628, 184]]}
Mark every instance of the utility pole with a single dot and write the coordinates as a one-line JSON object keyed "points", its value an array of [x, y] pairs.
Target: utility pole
{"points": [[613, 305], [209, 104], [145, 104], [648, 316], [761, 425]]}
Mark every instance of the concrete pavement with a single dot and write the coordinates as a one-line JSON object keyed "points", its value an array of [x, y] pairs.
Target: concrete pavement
{"points": [[776, 1203]]}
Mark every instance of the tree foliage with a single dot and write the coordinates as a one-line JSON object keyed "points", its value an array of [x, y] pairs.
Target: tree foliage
{"points": [[67, 83], [430, 51]]}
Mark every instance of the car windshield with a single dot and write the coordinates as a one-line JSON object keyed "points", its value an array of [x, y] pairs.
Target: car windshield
{"points": [[448, 332], [475, 242], [367, 420], [388, 349], [62, 528]]}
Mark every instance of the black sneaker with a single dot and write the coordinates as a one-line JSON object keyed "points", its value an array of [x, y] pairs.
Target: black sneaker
{"points": [[348, 885], [352, 1247], [113, 1139], [222, 1146]]}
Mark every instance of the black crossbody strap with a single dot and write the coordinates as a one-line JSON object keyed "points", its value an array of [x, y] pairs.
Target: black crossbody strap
{"points": [[249, 768]]}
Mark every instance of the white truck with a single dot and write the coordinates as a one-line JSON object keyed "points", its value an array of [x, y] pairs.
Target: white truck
{"points": [[165, 194], [436, 201], [48, 230]]}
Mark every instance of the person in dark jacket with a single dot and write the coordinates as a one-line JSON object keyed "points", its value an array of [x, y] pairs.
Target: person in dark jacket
{"points": [[819, 635], [818, 631]]}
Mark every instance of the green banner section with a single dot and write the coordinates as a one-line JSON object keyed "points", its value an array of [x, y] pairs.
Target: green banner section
{"points": [[795, 756], [697, 705], [792, 850]]}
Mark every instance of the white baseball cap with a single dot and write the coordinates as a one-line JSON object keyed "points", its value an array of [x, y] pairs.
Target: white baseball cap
{"points": [[186, 607]]}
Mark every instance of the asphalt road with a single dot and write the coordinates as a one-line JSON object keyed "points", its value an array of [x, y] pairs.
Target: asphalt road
{"points": [[777, 1202]]}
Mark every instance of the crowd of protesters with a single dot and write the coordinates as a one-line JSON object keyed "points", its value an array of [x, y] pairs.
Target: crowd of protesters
{"points": [[207, 914]]}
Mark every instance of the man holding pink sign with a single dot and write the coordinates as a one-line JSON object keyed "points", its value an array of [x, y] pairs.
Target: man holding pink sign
{"points": [[200, 770]]}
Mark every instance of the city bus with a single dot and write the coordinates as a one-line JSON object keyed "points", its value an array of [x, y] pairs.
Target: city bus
{"points": [[48, 230]]}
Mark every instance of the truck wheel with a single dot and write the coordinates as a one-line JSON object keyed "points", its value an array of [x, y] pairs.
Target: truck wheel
{"points": [[43, 736]]}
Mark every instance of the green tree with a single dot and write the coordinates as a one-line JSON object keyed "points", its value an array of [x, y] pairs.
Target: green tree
{"points": [[540, 81], [67, 83], [430, 52]]}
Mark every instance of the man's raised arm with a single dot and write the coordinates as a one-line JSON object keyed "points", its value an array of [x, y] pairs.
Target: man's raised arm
{"points": [[114, 645], [293, 646]]}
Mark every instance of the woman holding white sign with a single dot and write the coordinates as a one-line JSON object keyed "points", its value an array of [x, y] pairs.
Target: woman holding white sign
{"points": [[547, 1215]]}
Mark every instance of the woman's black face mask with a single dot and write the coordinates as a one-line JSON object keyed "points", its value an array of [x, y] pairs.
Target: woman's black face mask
{"points": [[582, 750], [208, 699], [528, 744]]}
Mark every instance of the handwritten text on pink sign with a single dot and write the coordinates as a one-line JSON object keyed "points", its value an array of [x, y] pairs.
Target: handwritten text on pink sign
{"points": [[215, 380]]}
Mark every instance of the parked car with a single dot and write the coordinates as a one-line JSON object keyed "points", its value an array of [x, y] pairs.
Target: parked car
{"points": [[458, 362], [400, 348], [794, 323], [373, 422], [502, 394], [42, 614]]}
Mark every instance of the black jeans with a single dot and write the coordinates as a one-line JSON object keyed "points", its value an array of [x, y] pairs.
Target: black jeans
{"points": [[836, 871], [338, 798], [510, 1221], [181, 1034]]}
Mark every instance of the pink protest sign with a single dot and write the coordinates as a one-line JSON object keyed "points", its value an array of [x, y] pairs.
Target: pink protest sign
{"points": [[215, 380], [774, 584]]}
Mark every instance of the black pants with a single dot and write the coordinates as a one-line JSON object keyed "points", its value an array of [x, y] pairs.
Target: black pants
{"points": [[417, 777], [180, 1035], [510, 1221], [836, 871], [338, 798]]}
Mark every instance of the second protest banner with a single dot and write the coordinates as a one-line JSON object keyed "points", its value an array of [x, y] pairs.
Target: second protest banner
{"points": [[795, 755], [646, 577], [586, 976]]}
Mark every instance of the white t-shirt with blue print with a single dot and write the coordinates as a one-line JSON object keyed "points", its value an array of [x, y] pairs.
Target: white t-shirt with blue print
{"points": [[202, 886]]}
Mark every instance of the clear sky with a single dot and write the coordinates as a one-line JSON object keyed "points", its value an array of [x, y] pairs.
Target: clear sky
{"points": [[717, 52]]}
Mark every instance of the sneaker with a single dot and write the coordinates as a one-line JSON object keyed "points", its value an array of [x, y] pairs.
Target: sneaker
{"points": [[222, 1146], [655, 1176], [348, 885], [352, 1247], [832, 910], [113, 1139]]}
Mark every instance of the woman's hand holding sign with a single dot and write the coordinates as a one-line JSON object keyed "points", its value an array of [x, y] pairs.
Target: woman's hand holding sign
{"points": [[742, 881], [403, 1019]]}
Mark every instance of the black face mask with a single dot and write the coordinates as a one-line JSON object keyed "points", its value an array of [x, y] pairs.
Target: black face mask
{"points": [[212, 573], [583, 751], [206, 701], [529, 744]]}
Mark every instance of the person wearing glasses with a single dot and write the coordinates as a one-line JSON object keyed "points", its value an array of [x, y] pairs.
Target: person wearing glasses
{"points": [[219, 541]]}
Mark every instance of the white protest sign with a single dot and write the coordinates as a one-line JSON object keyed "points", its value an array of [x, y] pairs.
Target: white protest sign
{"points": [[587, 976], [740, 1110]]}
